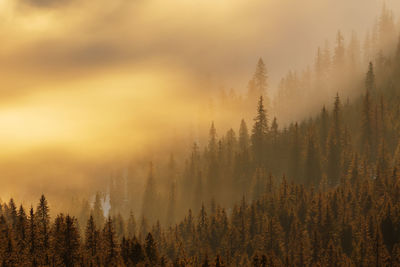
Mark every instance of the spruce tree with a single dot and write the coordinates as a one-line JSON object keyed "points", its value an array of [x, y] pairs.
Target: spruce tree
{"points": [[110, 251], [260, 77], [259, 133], [334, 145], [151, 249], [65, 241], [92, 242], [43, 225]]}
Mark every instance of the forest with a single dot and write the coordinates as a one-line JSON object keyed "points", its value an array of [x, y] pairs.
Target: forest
{"points": [[300, 183]]}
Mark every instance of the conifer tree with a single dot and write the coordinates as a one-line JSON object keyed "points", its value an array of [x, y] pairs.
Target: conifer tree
{"points": [[334, 145], [21, 234], [33, 238], [43, 226], [151, 249], [137, 253], [260, 79], [92, 242], [259, 133], [110, 251], [66, 243], [12, 213]]}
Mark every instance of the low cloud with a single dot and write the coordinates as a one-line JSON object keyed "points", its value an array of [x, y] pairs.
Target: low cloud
{"points": [[102, 78]]}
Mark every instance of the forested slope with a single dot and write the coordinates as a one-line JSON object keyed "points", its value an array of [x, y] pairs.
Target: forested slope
{"points": [[321, 192], [324, 192]]}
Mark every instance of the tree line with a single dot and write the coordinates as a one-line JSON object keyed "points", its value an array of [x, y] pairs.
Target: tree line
{"points": [[323, 192]]}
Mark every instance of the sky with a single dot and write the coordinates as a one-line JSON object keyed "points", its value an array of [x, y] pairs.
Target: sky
{"points": [[95, 78]]}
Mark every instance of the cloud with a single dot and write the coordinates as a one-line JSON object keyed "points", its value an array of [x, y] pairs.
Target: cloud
{"points": [[97, 77], [220, 39]]}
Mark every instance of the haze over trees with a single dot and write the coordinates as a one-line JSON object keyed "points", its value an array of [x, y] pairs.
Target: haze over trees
{"points": [[321, 191]]}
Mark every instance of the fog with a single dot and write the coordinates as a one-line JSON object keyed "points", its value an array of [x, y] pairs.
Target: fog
{"points": [[92, 87]]}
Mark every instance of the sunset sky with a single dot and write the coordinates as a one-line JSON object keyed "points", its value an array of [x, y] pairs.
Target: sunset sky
{"points": [[93, 77], [54, 51]]}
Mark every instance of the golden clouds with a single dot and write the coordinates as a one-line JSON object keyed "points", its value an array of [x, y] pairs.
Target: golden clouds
{"points": [[102, 78]]}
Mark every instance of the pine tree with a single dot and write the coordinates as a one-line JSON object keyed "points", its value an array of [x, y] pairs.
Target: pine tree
{"points": [[151, 249], [43, 226], [334, 146], [12, 213], [65, 241], [137, 253], [110, 250], [21, 234], [33, 237], [92, 242], [259, 133], [260, 79]]}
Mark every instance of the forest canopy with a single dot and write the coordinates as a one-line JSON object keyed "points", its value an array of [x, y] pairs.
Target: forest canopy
{"points": [[186, 145]]}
